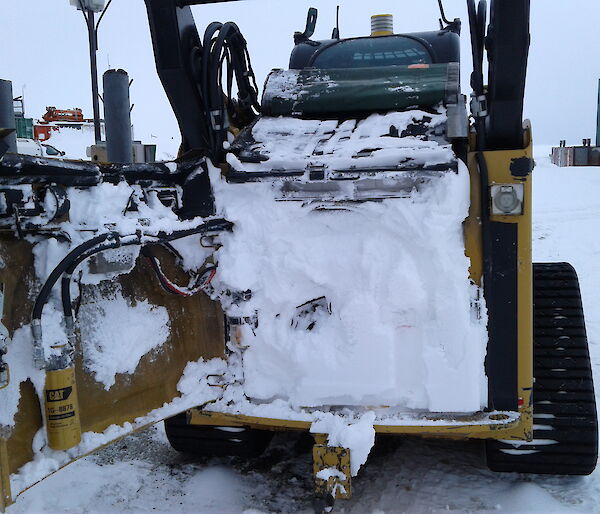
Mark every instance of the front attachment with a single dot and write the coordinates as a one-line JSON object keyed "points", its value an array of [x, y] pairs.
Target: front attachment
{"points": [[105, 326]]}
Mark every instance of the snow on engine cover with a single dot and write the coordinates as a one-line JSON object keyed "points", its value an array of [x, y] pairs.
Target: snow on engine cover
{"points": [[348, 301]]}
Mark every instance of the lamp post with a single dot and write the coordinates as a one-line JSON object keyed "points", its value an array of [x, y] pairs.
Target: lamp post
{"points": [[89, 8]]}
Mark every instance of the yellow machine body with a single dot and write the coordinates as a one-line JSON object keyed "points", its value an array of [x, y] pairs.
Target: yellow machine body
{"points": [[197, 331], [479, 425]]}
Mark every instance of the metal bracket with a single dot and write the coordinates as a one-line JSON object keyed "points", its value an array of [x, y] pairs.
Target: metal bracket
{"points": [[311, 22], [332, 472], [479, 106]]}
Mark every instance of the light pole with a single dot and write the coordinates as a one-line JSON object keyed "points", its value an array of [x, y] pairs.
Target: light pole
{"points": [[89, 8]]}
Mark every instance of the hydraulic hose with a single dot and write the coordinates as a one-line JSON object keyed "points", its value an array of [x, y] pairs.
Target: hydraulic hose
{"points": [[42, 298], [87, 249], [66, 276], [224, 43], [62, 266], [211, 225], [477, 20]]}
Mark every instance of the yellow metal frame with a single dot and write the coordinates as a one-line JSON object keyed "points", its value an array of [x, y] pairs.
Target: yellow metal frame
{"points": [[332, 457], [5, 493], [131, 396], [499, 170], [445, 426]]}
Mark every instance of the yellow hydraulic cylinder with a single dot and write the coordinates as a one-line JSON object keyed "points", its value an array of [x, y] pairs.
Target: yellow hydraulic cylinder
{"points": [[62, 409]]}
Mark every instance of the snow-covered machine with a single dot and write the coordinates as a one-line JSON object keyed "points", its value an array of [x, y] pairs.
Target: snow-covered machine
{"points": [[356, 254]]}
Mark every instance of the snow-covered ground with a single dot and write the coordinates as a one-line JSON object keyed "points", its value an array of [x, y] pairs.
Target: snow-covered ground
{"points": [[143, 474]]}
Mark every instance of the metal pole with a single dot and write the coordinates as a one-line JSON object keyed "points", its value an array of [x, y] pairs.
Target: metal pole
{"points": [[119, 144], [7, 114], [93, 38]]}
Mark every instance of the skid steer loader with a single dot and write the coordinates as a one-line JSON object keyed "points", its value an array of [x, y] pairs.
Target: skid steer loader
{"points": [[360, 164]]}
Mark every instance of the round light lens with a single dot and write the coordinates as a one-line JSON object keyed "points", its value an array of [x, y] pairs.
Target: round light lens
{"points": [[506, 200]]}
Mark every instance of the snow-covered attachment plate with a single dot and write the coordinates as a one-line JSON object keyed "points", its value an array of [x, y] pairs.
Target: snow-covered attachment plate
{"points": [[110, 354], [384, 155]]}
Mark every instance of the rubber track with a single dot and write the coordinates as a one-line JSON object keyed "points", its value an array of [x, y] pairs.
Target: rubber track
{"points": [[564, 405], [213, 442]]}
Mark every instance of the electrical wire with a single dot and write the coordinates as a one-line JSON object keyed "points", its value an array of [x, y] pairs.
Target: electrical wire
{"points": [[137, 239], [198, 283]]}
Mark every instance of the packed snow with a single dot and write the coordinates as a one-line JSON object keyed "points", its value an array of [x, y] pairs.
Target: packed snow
{"points": [[109, 323], [295, 144], [358, 437], [142, 473], [384, 337]]}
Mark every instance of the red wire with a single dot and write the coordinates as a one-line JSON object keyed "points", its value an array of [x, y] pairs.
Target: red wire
{"points": [[174, 288]]}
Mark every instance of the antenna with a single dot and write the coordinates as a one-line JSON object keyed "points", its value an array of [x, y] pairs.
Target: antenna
{"points": [[336, 30], [443, 14]]}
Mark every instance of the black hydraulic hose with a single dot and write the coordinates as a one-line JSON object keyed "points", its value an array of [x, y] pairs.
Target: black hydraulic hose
{"points": [[206, 75], [486, 235], [224, 43], [214, 83], [66, 276], [477, 19], [62, 266], [209, 33], [217, 225]]}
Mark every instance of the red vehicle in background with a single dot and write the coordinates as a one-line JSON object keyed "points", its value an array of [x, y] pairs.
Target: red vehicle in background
{"points": [[54, 114], [55, 118]]}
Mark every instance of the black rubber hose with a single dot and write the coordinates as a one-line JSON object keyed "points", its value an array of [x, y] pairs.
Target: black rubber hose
{"points": [[207, 73], [66, 277], [62, 266], [485, 219], [220, 225], [225, 42]]}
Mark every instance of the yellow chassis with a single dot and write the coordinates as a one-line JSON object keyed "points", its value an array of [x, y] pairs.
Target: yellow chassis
{"points": [[496, 426]]}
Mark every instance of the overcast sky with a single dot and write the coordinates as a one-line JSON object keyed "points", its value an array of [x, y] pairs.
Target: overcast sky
{"points": [[45, 53]]}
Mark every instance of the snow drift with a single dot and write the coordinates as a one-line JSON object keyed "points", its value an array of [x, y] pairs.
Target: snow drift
{"points": [[401, 329]]}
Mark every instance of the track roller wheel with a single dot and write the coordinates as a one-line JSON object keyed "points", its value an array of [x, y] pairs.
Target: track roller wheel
{"points": [[565, 430], [211, 441]]}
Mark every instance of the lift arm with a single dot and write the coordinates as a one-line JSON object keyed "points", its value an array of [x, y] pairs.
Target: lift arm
{"points": [[507, 45]]}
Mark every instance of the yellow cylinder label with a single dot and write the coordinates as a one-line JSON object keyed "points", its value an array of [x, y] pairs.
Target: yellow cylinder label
{"points": [[62, 410]]}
